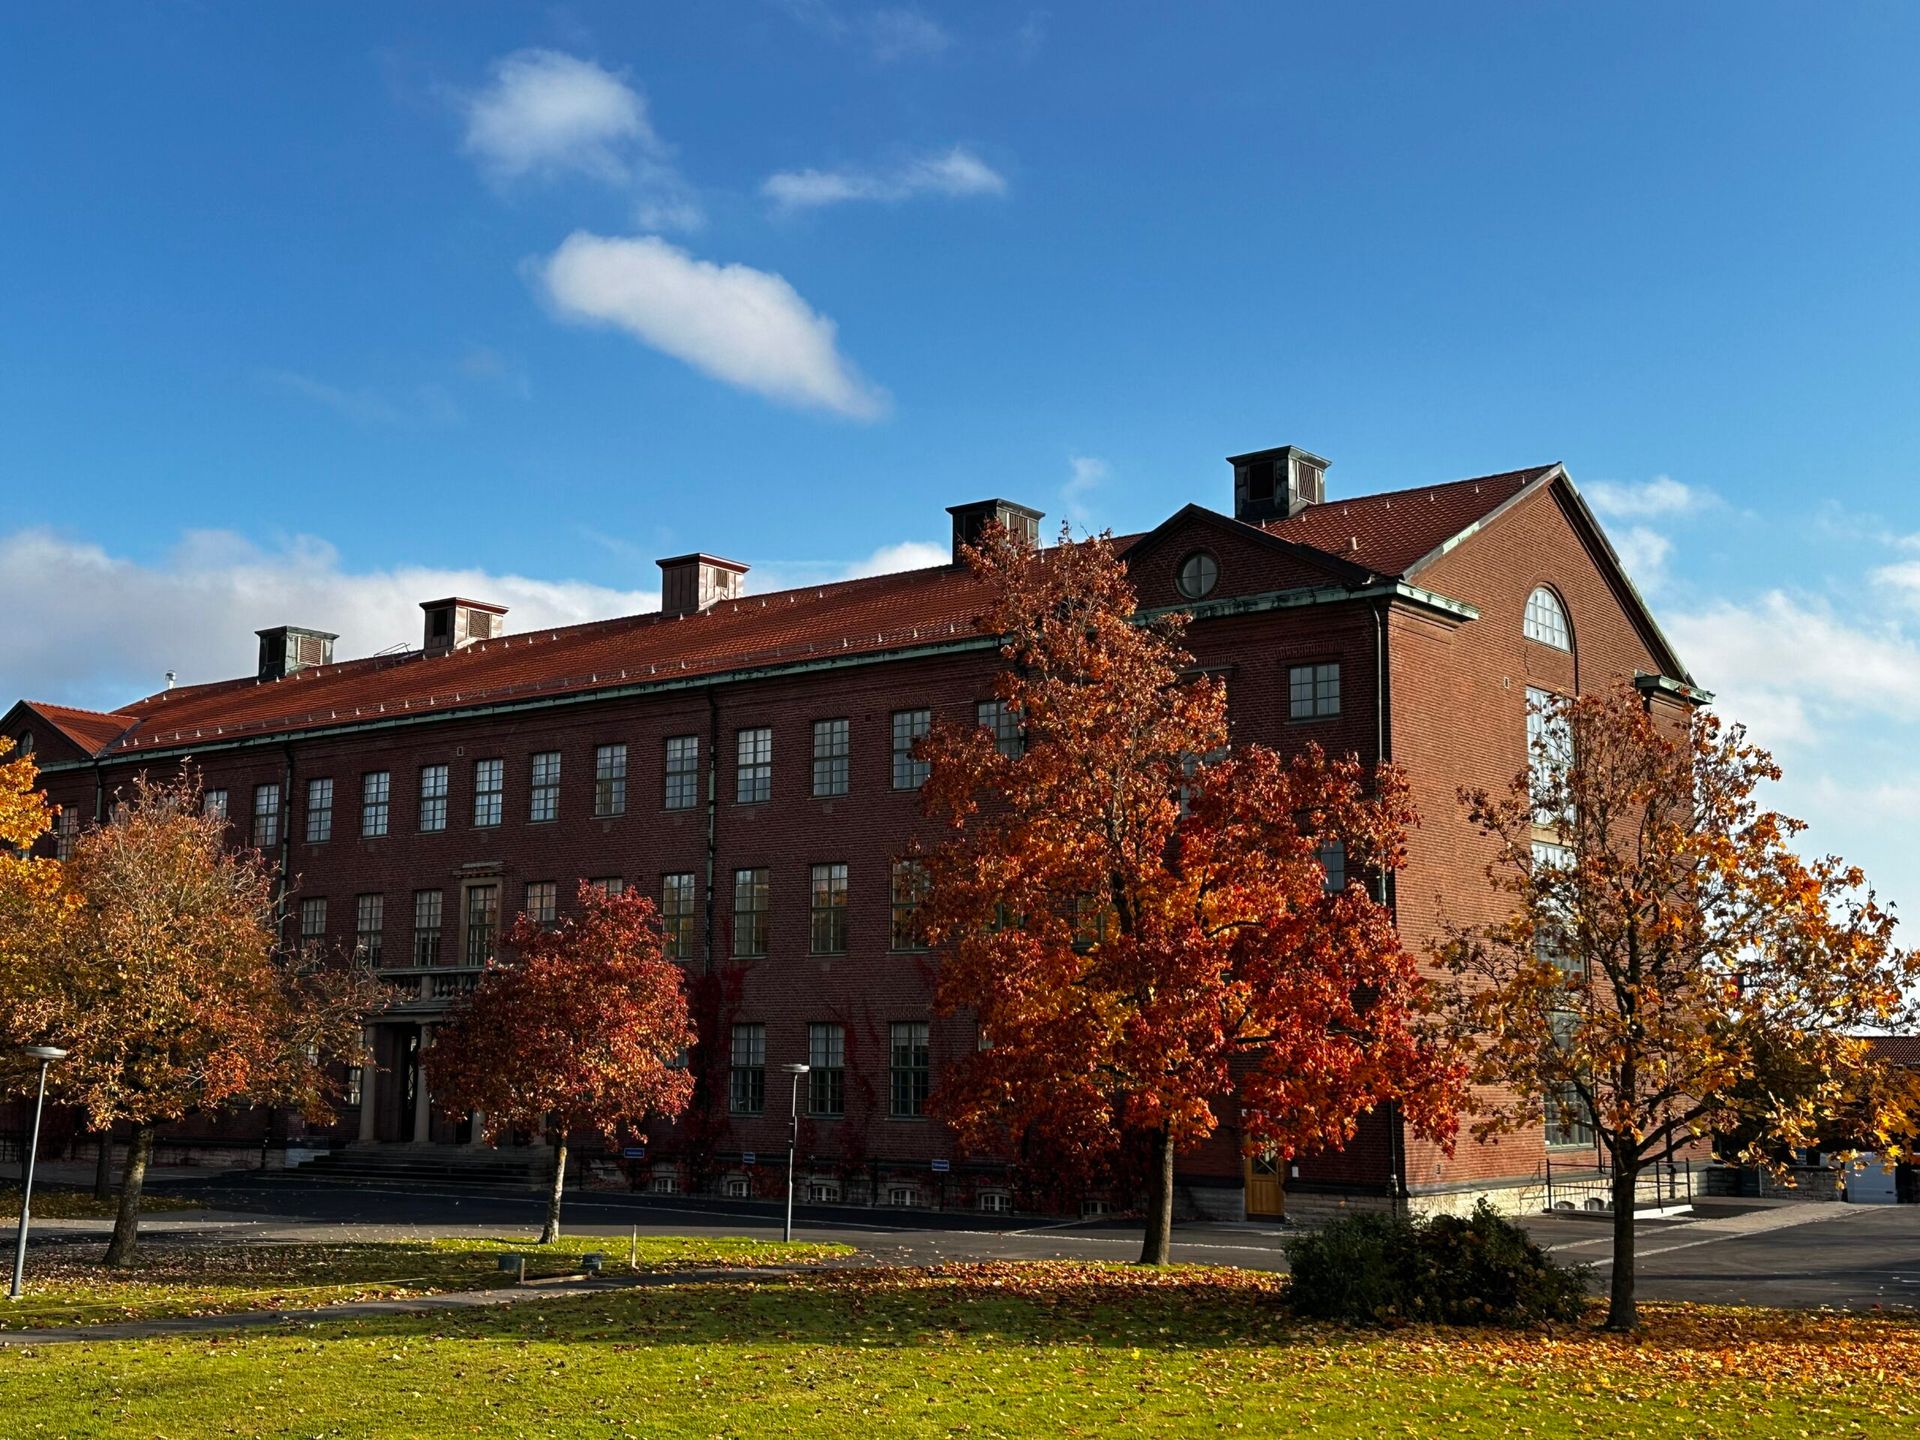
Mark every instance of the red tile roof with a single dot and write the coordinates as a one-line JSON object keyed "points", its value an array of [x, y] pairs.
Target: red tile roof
{"points": [[91, 730], [1896, 1049], [1391, 532], [847, 618]]}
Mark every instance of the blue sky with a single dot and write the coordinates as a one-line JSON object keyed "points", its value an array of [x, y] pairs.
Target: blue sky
{"points": [[313, 311]]}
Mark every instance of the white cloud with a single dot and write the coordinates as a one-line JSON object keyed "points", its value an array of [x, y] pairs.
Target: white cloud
{"points": [[120, 624], [770, 576], [901, 34], [1643, 551], [956, 173], [1088, 474], [548, 114], [1660, 497], [739, 325], [1798, 665]]}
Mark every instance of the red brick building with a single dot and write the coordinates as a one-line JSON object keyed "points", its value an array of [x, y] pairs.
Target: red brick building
{"points": [[747, 760]]}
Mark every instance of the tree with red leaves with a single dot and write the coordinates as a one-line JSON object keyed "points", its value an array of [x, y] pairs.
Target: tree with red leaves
{"points": [[583, 1030], [1141, 920]]}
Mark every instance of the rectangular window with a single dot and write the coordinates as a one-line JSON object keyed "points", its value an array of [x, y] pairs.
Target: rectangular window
{"points": [[752, 911], [1093, 917], [426, 927], [433, 797], [313, 920], [66, 830], [1000, 720], [609, 780], [1333, 859], [609, 884], [489, 789], [542, 904], [912, 1069], [909, 894], [369, 929], [909, 773], [831, 750], [266, 816], [1313, 691], [319, 811], [747, 1093], [676, 915], [683, 772], [1549, 754], [543, 794], [376, 794], [827, 1074], [753, 768], [828, 910], [212, 804], [483, 922]]}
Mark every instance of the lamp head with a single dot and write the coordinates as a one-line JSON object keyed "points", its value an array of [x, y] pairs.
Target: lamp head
{"points": [[43, 1052], [795, 1069]]}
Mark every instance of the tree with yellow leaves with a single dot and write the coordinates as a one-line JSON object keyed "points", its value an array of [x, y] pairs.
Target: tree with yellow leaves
{"points": [[1668, 948]]}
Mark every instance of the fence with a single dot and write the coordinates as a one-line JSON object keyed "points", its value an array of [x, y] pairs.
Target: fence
{"points": [[1661, 1185]]}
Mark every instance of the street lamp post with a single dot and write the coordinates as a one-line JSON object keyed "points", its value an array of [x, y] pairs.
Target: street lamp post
{"points": [[46, 1055], [793, 1142]]}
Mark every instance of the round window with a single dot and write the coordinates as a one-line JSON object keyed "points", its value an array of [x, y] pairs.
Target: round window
{"points": [[1199, 573]]}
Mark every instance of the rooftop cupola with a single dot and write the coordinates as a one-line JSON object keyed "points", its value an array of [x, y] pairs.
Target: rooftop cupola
{"points": [[969, 521], [454, 624], [691, 583], [287, 648], [1276, 484]]}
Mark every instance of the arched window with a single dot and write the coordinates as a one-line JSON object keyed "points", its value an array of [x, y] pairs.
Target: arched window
{"points": [[1547, 620]]}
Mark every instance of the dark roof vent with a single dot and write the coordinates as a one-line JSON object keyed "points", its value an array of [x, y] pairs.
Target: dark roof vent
{"points": [[453, 623], [689, 583], [1276, 484], [969, 521], [288, 648]]}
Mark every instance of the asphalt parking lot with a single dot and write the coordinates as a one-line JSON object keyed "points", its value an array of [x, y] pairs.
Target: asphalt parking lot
{"points": [[1791, 1254]]}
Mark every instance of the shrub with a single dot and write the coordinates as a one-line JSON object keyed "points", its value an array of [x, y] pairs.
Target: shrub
{"points": [[1383, 1269]]}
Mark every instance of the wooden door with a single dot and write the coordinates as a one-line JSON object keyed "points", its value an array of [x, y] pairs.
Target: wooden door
{"points": [[1266, 1196]]}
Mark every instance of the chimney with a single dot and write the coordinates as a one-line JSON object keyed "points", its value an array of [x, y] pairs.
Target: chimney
{"points": [[1276, 484], [453, 623], [691, 583], [287, 648], [970, 520]]}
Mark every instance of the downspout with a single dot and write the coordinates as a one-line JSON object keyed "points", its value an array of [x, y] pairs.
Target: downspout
{"points": [[1389, 894], [713, 811], [99, 792], [286, 840]]}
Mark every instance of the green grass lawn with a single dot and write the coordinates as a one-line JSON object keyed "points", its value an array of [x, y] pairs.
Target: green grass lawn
{"points": [[67, 1285], [55, 1204], [978, 1351]]}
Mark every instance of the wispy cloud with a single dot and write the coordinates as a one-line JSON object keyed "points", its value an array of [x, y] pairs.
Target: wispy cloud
{"points": [[955, 173], [1643, 551], [1088, 473], [424, 405], [1031, 37], [546, 114], [1659, 498], [902, 34], [121, 623], [743, 326], [768, 576], [889, 34]]}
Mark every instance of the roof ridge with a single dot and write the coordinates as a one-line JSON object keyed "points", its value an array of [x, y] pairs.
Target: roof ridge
{"points": [[1435, 485], [76, 710]]}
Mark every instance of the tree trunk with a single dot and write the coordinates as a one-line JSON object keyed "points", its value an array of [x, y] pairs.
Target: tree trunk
{"points": [[126, 1225], [1622, 1313], [1157, 1247], [103, 1166], [552, 1231]]}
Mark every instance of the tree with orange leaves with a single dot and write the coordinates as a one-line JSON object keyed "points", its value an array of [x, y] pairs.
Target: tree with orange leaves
{"points": [[166, 983], [583, 1030], [1667, 949], [1140, 920]]}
